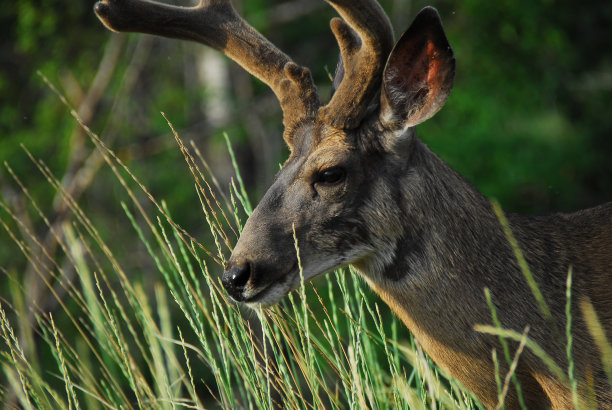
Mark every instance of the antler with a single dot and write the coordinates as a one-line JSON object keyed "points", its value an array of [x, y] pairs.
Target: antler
{"points": [[365, 37], [216, 24]]}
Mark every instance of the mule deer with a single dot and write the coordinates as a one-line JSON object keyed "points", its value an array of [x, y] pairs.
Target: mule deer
{"points": [[360, 188]]}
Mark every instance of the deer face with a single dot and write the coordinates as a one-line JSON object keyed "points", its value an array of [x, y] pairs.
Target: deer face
{"points": [[315, 201], [338, 197]]}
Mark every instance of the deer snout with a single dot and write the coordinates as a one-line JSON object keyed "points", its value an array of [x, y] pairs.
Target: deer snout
{"points": [[235, 279]]}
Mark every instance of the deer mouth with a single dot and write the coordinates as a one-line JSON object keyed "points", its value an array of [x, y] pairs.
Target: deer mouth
{"points": [[273, 292]]}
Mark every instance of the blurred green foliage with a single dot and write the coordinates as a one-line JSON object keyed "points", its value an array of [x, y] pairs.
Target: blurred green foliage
{"points": [[528, 119]]}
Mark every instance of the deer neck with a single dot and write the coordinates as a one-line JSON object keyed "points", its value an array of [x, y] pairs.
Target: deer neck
{"points": [[432, 274]]}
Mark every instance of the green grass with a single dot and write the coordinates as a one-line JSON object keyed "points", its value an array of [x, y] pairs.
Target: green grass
{"points": [[169, 337]]}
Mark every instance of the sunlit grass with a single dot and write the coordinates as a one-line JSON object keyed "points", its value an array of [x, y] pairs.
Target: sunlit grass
{"points": [[115, 344], [171, 338]]}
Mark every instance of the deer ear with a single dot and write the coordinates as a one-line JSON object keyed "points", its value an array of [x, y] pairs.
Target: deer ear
{"points": [[419, 73]]}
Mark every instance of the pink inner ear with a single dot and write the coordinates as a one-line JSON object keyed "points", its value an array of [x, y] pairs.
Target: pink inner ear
{"points": [[433, 69], [419, 73]]}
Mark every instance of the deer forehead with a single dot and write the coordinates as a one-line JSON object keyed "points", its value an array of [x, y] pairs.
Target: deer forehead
{"points": [[327, 147], [334, 142]]}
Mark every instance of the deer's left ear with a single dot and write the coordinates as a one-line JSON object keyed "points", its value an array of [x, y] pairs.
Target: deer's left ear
{"points": [[419, 73]]}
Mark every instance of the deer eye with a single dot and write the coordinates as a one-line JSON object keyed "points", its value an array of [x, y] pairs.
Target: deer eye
{"points": [[331, 175]]}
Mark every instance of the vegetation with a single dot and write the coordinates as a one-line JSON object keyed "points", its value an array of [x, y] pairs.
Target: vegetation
{"points": [[111, 298], [130, 352]]}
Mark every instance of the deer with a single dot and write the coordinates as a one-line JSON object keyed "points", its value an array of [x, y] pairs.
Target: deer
{"points": [[360, 188]]}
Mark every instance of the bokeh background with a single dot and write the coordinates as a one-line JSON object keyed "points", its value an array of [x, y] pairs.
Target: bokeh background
{"points": [[529, 121]]}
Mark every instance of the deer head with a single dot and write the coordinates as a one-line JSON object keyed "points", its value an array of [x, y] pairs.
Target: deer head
{"points": [[338, 192]]}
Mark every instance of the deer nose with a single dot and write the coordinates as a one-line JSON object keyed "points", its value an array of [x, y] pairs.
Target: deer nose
{"points": [[234, 280]]}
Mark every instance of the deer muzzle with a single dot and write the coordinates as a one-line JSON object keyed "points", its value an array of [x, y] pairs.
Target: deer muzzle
{"points": [[235, 279]]}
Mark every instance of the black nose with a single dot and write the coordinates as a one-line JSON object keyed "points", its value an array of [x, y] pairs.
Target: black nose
{"points": [[235, 279]]}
